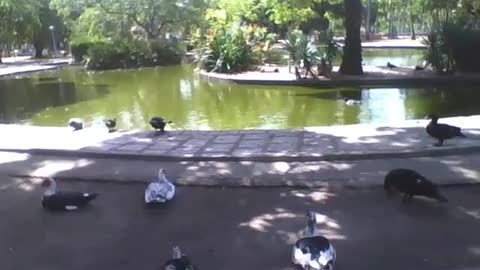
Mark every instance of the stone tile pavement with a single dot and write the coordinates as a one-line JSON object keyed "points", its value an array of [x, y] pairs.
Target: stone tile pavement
{"points": [[353, 142]]}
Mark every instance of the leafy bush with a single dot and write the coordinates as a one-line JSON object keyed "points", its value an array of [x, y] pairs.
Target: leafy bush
{"points": [[453, 47], [228, 52], [130, 54], [79, 50], [461, 45]]}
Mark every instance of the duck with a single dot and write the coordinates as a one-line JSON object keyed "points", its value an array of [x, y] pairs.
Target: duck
{"points": [[75, 123], [442, 132], [411, 183], [179, 261], [64, 200], [390, 65], [158, 123], [312, 250], [159, 191], [351, 102], [110, 124]]}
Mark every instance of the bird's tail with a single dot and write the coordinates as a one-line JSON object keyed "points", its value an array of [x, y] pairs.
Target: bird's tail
{"points": [[440, 198], [92, 196], [460, 134]]}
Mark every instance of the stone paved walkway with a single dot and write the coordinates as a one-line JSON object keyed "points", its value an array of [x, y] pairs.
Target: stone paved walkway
{"points": [[405, 139]]}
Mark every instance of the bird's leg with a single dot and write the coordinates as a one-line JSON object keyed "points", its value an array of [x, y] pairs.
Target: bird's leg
{"points": [[440, 143]]}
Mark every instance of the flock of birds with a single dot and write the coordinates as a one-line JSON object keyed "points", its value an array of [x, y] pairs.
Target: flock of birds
{"points": [[157, 123], [311, 250]]}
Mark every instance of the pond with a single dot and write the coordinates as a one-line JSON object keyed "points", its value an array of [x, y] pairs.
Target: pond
{"points": [[176, 93]]}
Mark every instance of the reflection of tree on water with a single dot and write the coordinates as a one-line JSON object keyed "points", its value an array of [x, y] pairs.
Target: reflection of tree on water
{"points": [[20, 99]]}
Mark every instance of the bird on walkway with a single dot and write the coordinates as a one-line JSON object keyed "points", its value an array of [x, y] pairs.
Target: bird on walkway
{"points": [[158, 123], [179, 261], [64, 200], [313, 251], [75, 123], [411, 183], [390, 65], [442, 132], [351, 102], [160, 190], [110, 124]]}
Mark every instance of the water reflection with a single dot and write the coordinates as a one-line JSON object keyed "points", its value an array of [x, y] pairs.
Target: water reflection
{"points": [[176, 93]]}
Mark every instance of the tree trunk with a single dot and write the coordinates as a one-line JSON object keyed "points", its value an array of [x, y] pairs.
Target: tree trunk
{"points": [[412, 28], [352, 52], [38, 49]]}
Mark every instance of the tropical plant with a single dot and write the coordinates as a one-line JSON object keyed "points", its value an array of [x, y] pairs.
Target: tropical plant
{"points": [[228, 52]]}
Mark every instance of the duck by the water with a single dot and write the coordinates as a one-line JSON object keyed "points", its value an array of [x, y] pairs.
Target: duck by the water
{"points": [[160, 190], [158, 123], [110, 124], [64, 200], [179, 261], [312, 250], [442, 132], [411, 183], [75, 123]]}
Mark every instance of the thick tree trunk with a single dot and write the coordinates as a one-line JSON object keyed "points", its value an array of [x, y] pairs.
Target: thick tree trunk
{"points": [[352, 52], [38, 49], [412, 28]]}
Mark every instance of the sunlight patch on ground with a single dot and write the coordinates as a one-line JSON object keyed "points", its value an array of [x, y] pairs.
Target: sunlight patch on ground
{"points": [[468, 173], [262, 222], [9, 157], [50, 168], [472, 213], [316, 196]]}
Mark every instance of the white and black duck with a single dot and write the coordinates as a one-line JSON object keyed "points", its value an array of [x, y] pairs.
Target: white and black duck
{"points": [[410, 183], [75, 123], [351, 102], [159, 191], [110, 124], [442, 132], [179, 261], [64, 200], [313, 251], [158, 123], [390, 65]]}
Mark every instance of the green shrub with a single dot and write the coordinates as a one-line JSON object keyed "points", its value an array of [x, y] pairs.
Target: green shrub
{"points": [[113, 55], [228, 52], [79, 50], [461, 45]]}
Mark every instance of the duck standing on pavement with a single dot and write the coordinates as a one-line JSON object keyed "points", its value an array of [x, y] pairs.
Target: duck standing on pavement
{"points": [[110, 124], [442, 132], [411, 183], [75, 123], [313, 251], [64, 200], [158, 123], [159, 191]]}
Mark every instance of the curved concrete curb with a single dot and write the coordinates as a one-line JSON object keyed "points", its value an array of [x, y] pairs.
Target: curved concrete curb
{"points": [[365, 81], [446, 151]]}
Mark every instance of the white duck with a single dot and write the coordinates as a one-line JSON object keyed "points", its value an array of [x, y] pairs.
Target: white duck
{"points": [[159, 191], [313, 251], [64, 200], [178, 261], [351, 102]]}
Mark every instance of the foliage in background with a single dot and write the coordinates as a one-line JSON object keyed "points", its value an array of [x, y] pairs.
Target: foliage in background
{"points": [[227, 52], [121, 54]]}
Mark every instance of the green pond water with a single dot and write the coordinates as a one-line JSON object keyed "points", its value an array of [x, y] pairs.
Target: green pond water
{"points": [[177, 93]]}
